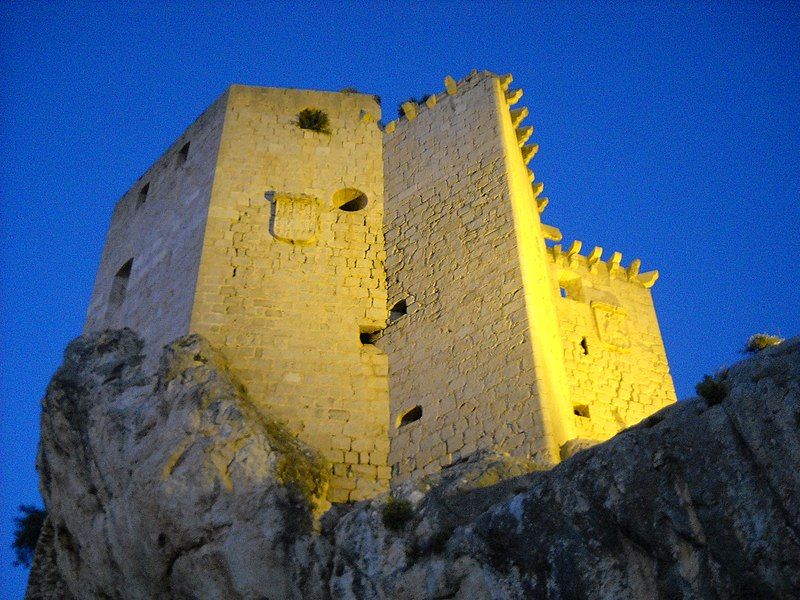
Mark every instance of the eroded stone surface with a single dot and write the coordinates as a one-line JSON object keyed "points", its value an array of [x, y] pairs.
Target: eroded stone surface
{"points": [[174, 487], [696, 502]]}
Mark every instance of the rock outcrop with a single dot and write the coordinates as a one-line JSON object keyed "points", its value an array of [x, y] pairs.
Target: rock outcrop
{"points": [[174, 486]]}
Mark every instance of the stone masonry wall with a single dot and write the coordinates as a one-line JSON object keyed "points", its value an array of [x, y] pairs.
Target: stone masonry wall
{"points": [[461, 365], [613, 353], [290, 286], [163, 233], [269, 240]]}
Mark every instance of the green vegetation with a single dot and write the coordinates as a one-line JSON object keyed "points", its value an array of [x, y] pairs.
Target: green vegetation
{"points": [[27, 528], [713, 389], [396, 513], [761, 341], [439, 540], [314, 119]]}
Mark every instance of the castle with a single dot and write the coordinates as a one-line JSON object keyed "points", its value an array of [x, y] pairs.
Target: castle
{"points": [[389, 293]]}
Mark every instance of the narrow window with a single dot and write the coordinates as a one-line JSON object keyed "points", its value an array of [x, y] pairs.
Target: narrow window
{"points": [[563, 291], [183, 153], [119, 286], [369, 335], [143, 193], [581, 410], [350, 200], [585, 346], [415, 414], [398, 310]]}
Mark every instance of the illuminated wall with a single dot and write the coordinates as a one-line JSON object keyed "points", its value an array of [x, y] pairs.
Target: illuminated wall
{"points": [[157, 230], [466, 254], [290, 280], [613, 353], [394, 339]]}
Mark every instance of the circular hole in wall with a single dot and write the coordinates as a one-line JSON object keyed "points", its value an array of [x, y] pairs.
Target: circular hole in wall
{"points": [[350, 200]]}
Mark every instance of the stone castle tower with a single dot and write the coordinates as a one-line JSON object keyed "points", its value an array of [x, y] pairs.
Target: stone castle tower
{"points": [[387, 293]]}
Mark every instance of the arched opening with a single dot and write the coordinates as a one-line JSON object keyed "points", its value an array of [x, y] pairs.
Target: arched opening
{"points": [[415, 414], [350, 200], [398, 310], [119, 286]]}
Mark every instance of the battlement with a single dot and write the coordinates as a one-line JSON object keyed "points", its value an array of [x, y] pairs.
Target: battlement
{"points": [[387, 293], [413, 109], [593, 264]]}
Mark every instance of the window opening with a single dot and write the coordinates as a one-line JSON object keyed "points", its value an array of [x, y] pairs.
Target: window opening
{"points": [[398, 310], [366, 337], [581, 410], [350, 200], [415, 414], [183, 153], [143, 193], [369, 335], [119, 286], [585, 346]]}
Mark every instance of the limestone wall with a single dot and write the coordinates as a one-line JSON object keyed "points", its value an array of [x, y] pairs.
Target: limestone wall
{"points": [[466, 255], [289, 284], [162, 232], [613, 352], [268, 239]]}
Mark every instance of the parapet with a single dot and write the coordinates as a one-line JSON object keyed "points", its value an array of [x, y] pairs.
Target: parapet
{"points": [[593, 263]]}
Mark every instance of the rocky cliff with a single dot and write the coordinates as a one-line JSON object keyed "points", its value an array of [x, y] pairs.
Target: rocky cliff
{"points": [[172, 485]]}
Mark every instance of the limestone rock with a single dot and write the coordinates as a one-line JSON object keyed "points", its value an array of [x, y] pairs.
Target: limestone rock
{"points": [[45, 581], [171, 485], [698, 501]]}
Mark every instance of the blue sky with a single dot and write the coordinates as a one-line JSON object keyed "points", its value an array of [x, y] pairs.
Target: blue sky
{"points": [[668, 132]]}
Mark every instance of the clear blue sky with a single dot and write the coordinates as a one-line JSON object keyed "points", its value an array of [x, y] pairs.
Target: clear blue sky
{"points": [[668, 133]]}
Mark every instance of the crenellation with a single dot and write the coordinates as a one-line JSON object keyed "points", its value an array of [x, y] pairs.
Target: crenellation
{"points": [[513, 96], [387, 294]]}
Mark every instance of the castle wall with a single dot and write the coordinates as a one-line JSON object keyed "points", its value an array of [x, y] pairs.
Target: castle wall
{"points": [[466, 254], [269, 240], [613, 353], [163, 233], [289, 283]]}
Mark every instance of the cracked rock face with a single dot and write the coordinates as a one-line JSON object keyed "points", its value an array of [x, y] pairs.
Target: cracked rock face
{"points": [[697, 501], [173, 486]]}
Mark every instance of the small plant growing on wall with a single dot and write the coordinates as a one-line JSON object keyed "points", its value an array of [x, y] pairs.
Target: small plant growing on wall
{"points": [[27, 527], [761, 341], [314, 119], [713, 389], [396, 513]]}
